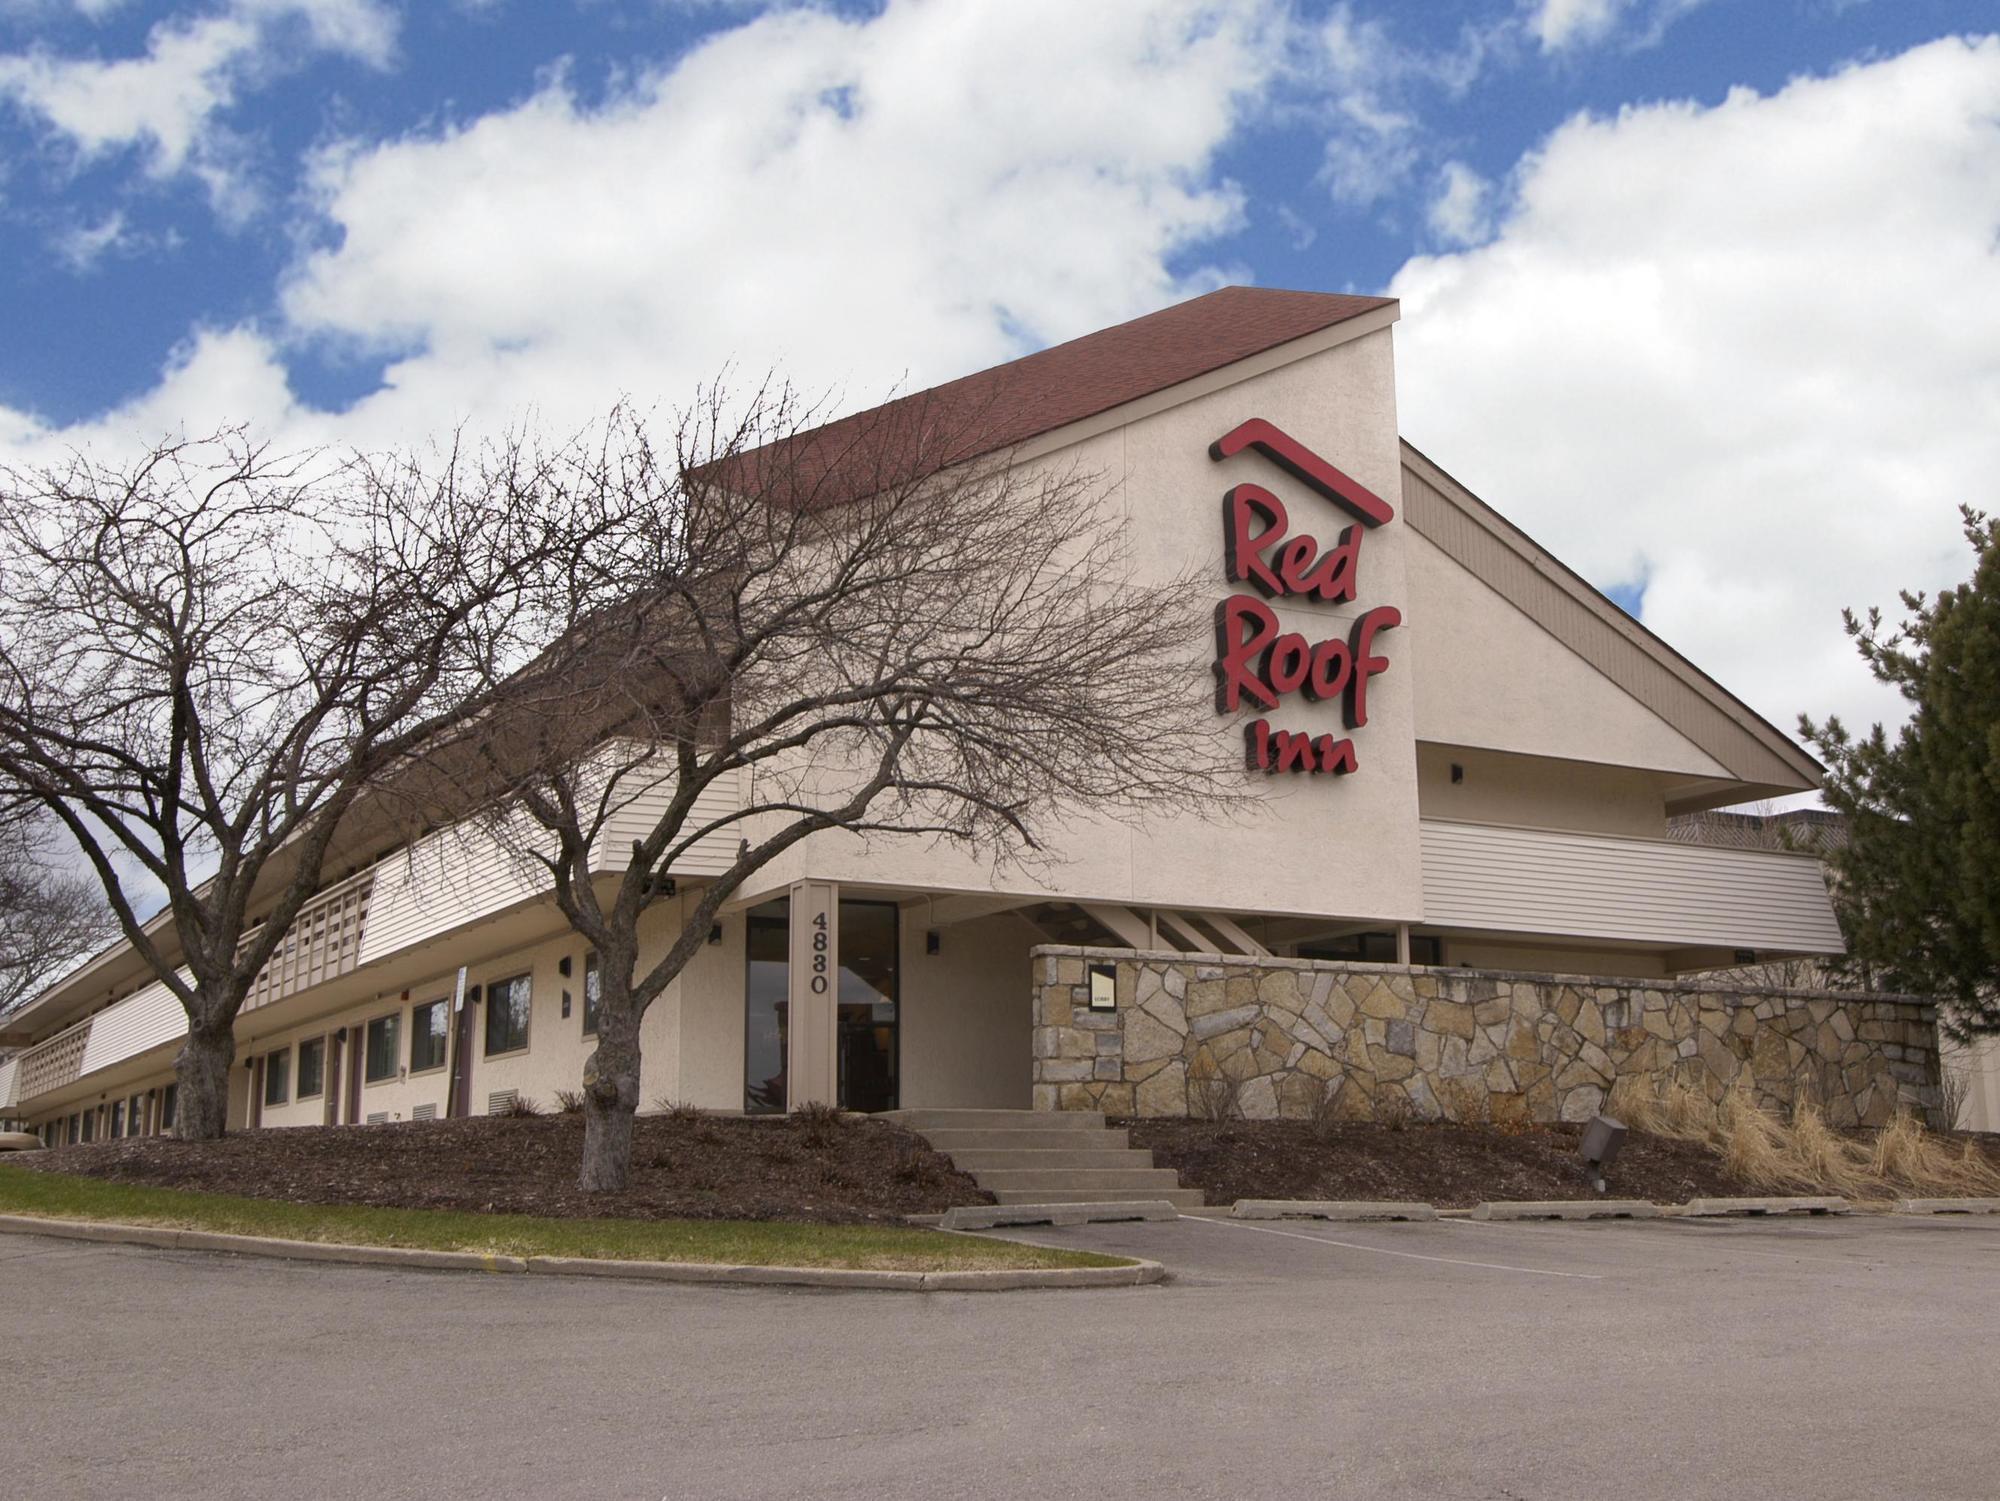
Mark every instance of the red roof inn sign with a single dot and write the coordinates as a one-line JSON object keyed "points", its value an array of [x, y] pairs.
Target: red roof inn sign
{"points": [[1257, 663]]}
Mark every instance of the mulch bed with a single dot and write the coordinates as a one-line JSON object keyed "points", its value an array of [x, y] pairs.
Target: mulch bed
{"points": [[709, 1167], [1451, 1166]]}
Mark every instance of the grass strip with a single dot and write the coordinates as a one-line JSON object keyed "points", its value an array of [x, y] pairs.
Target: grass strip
{"points": [[728, 1242]]}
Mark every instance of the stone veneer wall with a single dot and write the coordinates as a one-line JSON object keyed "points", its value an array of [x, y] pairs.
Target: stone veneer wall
{"points": [[1461, 1044]]}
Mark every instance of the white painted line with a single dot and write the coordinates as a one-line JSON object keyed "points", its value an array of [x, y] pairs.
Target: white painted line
{"points": [[1350, 1245]]}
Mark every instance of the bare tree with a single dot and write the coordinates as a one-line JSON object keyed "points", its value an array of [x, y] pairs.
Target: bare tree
{"points": [[49, 917], [896, 638], [205, 656]]}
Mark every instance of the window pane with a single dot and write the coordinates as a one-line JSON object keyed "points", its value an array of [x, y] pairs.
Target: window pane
{"points": [[278, 1078], [427, 1036], [117, 1119], [312, 1067], [507, 1015], [593, 987], [767, 939], [167, 1108], [384, 1047]]}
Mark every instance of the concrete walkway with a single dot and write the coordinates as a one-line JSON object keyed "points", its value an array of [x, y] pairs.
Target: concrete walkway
{"points": [[1656, 1359]]}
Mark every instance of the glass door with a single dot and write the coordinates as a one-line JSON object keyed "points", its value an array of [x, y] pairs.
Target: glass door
{"points": [[868, 1037]]}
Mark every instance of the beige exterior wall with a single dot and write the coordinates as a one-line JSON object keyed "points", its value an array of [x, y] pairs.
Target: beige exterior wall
{"points": [[1539, 793], [1488, 676], [965, 1020], [1343, 845]]}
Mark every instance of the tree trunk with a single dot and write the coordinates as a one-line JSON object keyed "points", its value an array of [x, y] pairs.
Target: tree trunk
{"points": [[201, 1112], [610, 1100]]}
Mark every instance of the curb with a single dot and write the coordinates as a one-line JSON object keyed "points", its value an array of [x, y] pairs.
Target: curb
{"points": [[1714, 1208], [1568, 1209], [1139, 1274], [1329, 1209]]}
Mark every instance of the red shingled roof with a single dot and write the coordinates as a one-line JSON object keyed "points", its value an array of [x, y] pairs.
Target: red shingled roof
{"points": [[999, 408]]}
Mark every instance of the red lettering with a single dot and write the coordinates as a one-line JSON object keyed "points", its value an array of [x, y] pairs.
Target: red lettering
{"points": [[1364, 664], [1239, 658], [1330, 667], [1269, 750], [1242, 548], [1259, 549]]}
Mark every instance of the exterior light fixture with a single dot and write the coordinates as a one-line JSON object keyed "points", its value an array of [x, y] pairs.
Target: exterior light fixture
{"points": [[1602, 1137], [933, 942]]}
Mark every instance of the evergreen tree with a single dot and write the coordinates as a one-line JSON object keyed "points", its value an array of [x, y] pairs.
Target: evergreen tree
{"points": [[1918, 886]]}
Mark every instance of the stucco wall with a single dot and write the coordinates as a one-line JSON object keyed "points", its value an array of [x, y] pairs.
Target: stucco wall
{"points": [[965, 1021], [1462, 1044]]}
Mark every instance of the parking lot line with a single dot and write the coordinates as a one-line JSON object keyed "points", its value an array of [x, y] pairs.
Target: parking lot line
{"points": [[1323, 1240]]}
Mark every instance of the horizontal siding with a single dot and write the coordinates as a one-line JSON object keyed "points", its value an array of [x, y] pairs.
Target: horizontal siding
{"points": [[137, 1024], [443, 882], [1597, 886], [710, 855]]}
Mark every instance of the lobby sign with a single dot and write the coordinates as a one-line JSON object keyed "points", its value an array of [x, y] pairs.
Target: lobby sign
{"points": [[1259, 664]]}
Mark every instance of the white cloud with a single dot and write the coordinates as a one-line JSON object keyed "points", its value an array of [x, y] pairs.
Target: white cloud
{"points": [[1459, 208], [1744, 354], [83, 246], [861, 202], [1370, 85], [1557, 24], [168, 101], [858, 200]]}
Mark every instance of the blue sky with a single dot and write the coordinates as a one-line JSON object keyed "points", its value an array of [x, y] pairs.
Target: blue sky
{"points": [[1702, 292]]}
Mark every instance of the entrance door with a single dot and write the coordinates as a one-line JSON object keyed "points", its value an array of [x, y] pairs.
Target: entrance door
{"points": [[868, 1037]]}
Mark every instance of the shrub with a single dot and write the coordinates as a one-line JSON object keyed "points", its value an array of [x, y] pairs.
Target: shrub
{"points": [[818, 1123], [522, 1105], [1212, 1095], [569, 1101]]}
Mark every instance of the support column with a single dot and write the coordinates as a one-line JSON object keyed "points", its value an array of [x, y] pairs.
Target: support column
{"points": [[1402, 943], [812, 1070]]}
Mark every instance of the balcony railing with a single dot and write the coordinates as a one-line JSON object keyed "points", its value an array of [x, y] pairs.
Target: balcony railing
{"points": [[1551, 882], [54, 1063], [324, 942]]}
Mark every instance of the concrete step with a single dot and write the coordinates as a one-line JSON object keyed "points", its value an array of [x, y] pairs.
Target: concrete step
{"points": [[1081, 1178], [1180, 1198], [985, 1159], [925, 1121], [1027, 1140]]}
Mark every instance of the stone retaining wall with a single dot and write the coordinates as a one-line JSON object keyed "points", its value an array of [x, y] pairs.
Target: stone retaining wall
{"points": [[1192, 1034]]}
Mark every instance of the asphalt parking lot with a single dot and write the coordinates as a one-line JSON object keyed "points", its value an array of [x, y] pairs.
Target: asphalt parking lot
{"points": [[1824, 1358]]}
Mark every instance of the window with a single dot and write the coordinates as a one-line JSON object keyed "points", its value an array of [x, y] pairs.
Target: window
{"points": [[278, 1077], [90, 1125], [427, 1035], [507, 1015], [135, 1115], [312, 1067], [593, 987], [117, 1119], [385, 1047], [167, 1104]]}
